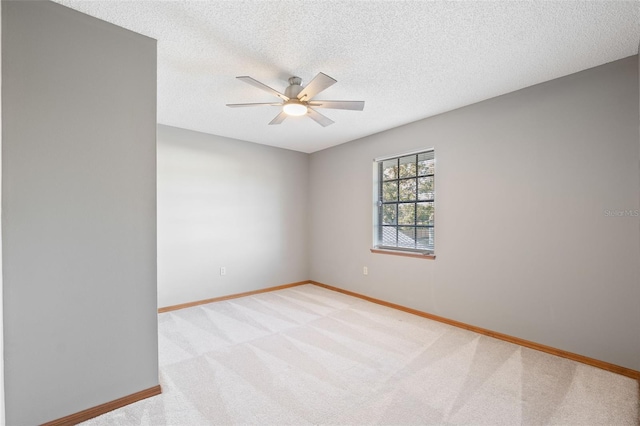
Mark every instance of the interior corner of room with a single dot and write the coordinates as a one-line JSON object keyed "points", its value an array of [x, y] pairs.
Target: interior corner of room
{"points": [[108, 215]]}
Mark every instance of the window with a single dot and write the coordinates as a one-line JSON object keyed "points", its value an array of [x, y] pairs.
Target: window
{"points": [[405, 202]]}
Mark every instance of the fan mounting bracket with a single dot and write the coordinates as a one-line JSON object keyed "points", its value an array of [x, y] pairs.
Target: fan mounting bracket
{"points": [[295, 81]]}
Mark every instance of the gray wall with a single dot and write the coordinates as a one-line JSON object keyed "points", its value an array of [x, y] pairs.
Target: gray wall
{"points": [[2, 420], [228, 203], [523, 242], [79, 211]]}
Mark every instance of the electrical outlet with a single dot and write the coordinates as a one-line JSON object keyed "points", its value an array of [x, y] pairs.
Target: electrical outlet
{"points": [[365, 271], [223, 270]]}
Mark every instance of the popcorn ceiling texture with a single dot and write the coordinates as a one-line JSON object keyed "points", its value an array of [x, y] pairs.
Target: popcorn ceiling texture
{"points": [[407, 60]]}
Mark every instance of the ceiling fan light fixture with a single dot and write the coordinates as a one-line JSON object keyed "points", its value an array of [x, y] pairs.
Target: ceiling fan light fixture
{"points": [[295, 108], [298, 100]]}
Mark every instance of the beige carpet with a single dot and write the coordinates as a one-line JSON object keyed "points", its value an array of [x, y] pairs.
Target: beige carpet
{"points": [[307, 355]]}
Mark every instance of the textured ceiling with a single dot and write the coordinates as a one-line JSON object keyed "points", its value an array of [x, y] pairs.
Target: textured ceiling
{"points": [[406, 59]]}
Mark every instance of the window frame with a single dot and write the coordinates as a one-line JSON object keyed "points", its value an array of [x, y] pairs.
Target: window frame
{"points": [[379, 203]]}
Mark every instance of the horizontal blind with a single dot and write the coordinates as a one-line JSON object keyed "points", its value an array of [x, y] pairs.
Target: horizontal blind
{"points": [[417, 151]]}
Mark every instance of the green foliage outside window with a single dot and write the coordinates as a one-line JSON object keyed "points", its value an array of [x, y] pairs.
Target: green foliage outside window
{"points": [[406, 202]]}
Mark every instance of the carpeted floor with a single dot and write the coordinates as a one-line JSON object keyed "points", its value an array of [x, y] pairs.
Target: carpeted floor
{"points": [[307, 355]]}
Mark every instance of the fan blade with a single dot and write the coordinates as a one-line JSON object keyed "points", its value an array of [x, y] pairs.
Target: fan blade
{"points": [[279, 118], [319, 118], [256, 83], [315, 86], [251, 105], [352, 105]]}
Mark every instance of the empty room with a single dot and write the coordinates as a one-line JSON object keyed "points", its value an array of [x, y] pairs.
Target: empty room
{"points": [[320, 212]]}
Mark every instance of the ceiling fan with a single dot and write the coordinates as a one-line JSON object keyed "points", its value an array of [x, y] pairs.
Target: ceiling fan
{"points": [[298, 100]]}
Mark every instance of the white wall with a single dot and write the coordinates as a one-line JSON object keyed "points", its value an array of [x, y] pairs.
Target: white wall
{"points": [[523, 243], [78, 211], [228, 203]]}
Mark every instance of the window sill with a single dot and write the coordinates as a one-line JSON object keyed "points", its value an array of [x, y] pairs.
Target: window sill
{"points": [[403, 253]]}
